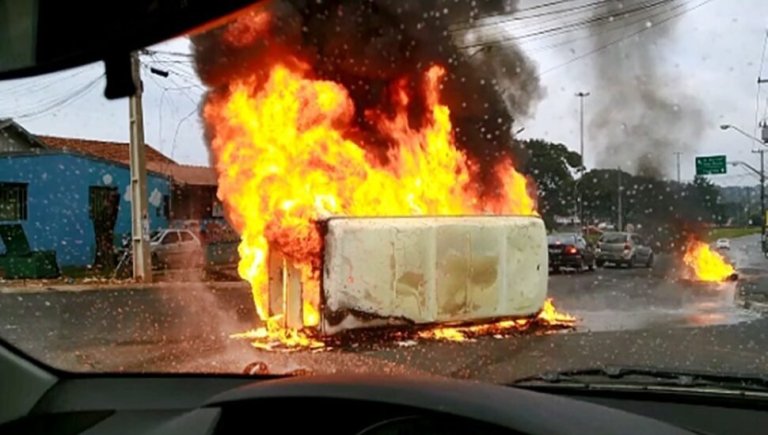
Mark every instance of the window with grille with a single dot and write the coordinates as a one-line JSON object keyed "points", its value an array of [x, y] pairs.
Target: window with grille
{"points": [[13, 202]]}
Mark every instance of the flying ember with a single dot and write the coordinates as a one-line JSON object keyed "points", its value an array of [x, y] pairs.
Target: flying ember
{"points": [[706, 264]]}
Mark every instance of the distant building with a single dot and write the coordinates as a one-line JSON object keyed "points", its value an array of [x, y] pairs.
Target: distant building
{"points": [[51, 185]]}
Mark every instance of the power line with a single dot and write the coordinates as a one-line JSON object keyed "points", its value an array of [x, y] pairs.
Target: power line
{"points": [[578, 25], [622, 26], [514, 15], [63, 102], [574, 25], [624, 38], [34, 85], [31, 105]]}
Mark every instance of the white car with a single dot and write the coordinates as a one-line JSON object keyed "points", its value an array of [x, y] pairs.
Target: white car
{"points": [[723, 244], [175, 249]]}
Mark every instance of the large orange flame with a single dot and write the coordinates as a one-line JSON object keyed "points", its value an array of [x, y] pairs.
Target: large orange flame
{"points": [[706, 264], [285, 155]]}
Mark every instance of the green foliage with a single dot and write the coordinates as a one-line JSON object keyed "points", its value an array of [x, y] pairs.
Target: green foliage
{"points": [[551, 165], [666, 211]]}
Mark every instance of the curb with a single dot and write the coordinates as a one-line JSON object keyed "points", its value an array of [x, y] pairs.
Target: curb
{"points": [[78, 288]]}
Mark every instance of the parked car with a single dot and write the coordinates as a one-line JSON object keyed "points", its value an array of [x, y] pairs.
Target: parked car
{"points": [[570, 250], [723, 244], [623, 248], [176, 249]]}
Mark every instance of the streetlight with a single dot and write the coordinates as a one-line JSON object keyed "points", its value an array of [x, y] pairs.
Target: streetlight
{"points": [[761, 173], [729, 126], [581, 95], [746, 165]]}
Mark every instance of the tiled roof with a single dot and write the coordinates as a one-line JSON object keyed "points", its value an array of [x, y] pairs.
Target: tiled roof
{"points": [[186, 174], [113, 151], [118, 152]]}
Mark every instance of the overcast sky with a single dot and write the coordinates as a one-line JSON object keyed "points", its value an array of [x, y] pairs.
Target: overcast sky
{"points": [[713, 53]]}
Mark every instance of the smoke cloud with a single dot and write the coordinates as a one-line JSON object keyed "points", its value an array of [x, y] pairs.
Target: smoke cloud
{"points": [[643, 114], [368, 45]]}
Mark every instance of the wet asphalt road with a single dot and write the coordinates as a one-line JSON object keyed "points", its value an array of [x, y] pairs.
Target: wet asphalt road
{"points": [[626, 317]]}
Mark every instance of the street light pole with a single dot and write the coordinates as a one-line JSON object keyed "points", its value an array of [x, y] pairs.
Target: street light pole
{"points": [[744, 133], [677, 154], [581, 95], [762, 190], [762, 177], [619, 207]]}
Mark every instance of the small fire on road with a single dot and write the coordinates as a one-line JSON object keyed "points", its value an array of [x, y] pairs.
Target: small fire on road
{"points": [[706, 264]]}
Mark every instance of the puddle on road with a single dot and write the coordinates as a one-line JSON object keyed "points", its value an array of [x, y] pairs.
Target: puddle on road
{"points": [[694, 306], [648, 319]]}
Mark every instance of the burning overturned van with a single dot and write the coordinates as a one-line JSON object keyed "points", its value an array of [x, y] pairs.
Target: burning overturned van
{"points": [[415, 271], [366, 204]]}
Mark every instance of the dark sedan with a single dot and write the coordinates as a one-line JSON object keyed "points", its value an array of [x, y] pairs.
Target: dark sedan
{"points": [[570, 250]]}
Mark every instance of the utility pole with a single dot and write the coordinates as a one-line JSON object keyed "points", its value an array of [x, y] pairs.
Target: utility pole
{"points": [[621, 212], [762, 192], [677, 154], [761, 151], [581, 95], [142, 267]]}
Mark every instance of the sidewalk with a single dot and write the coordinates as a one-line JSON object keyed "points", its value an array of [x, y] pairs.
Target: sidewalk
{"points": [[163, 280]]}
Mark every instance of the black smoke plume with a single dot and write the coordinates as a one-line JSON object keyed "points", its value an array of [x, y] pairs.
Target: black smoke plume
{"points": [[643, 113], [368, 45]]}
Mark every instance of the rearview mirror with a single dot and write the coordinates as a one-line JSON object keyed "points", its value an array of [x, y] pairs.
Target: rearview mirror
{"points": [[42, 36]]}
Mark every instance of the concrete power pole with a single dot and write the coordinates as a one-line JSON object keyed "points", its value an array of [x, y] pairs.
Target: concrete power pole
{"points": [[677, 154], [142, 266], [762, 191], [619, 206], [582, 169]]}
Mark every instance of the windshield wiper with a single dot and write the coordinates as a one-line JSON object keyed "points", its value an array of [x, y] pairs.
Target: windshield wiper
{"points": [[647, 377], [261, 368]]}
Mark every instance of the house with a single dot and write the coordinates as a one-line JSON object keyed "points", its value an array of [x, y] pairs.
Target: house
{"points": [[53, 185], [194, 192]]}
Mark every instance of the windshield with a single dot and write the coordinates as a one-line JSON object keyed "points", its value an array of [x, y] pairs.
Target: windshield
{"points": [[561, 238], [329, 167], [614, 238], [154, 236]]}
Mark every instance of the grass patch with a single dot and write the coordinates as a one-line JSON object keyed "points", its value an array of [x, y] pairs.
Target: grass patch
{"points": [[79, 272], [731, 233]]}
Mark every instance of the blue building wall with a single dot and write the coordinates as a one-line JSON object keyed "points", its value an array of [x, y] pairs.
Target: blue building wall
{"points": [[58, 196]]}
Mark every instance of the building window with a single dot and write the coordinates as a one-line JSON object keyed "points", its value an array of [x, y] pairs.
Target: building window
{"points": [[164, 209], [217, 209], [103, 202], [13, 202]]}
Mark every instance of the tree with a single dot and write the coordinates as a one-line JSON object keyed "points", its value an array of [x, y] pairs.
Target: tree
{"points": [[600, 189], [550, 165], [666, 211], [707, 197]]}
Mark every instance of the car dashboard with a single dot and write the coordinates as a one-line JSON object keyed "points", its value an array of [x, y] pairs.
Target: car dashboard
{"points": [[363, 405]]}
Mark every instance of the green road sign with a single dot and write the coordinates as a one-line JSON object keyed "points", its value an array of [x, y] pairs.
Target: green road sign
{"points": [[707, 165]]}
